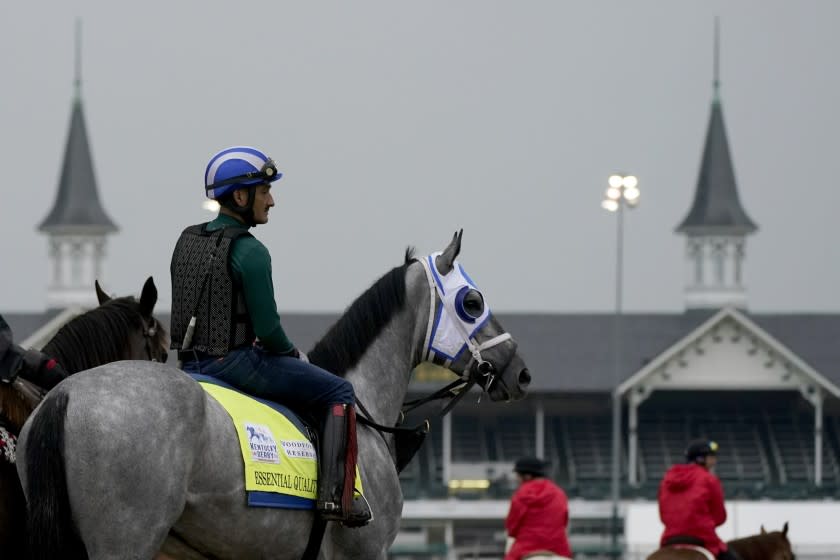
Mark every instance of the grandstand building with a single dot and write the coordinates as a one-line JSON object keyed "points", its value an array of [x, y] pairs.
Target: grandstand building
{"points": [[765, 386]]}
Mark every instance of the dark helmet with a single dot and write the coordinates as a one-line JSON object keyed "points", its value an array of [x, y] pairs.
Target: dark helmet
{"points": [[531, 465], [699, 449]]}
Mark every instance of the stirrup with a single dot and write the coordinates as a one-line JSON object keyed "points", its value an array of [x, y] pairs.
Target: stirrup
{"points": [[363, 513], [358, 516]]}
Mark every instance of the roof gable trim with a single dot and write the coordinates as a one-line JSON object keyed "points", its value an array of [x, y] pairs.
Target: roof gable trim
{"points": [[705, 328]]}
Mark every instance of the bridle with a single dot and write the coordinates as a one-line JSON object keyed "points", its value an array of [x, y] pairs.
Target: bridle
{"points": [[477, 370], [149, 334]]}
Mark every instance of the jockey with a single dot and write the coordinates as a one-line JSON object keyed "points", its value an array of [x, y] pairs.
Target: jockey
{"points": [[691, 501], [539, 513], [225, 323], [31, 364]]}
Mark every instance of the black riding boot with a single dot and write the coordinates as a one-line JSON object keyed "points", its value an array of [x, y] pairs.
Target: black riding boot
{"points": [[337, 500]]}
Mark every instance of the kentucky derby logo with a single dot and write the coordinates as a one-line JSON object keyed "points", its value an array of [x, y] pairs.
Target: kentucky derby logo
{"points": [[262, 444], [298, 449]]}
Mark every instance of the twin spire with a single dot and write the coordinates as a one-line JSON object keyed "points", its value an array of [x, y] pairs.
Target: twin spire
{"points": [[717, 207], [77, 225], [77, 208], [716, 226], [77, 80]]}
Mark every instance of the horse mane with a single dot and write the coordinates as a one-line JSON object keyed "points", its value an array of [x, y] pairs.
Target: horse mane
{"points": [[349, 338], [758, 546], [80, 344]]}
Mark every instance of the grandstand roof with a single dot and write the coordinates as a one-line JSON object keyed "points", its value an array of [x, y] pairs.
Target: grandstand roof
{"points": [[751, 349], [572, 352]]}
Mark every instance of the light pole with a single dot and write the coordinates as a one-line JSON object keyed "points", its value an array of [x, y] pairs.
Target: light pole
{"points": [[623, 191]]}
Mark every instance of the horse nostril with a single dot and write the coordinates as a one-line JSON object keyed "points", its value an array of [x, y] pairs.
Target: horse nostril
{"points": [[524, 378]]}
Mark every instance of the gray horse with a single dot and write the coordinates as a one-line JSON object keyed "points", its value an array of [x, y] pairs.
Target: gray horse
{"points": [[141, 460]]}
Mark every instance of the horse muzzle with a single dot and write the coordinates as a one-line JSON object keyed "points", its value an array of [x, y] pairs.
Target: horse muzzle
{"points": [[512, 383]]}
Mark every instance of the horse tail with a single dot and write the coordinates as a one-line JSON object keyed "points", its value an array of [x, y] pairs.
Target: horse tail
{"points": [[51, 530]]}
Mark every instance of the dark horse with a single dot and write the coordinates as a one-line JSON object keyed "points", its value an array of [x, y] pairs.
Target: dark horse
{"points": [[764, 546], [120, 328]]}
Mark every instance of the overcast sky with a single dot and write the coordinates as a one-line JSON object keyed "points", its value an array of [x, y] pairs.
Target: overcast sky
{"points": [[395, 123]]}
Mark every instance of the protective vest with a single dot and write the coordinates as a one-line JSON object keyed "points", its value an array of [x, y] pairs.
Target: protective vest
{"points": [[203, 284]]}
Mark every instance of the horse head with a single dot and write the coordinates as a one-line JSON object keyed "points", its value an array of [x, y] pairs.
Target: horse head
{"points": [[773, 545], [152, 341], [121, 328], [465, 335], [147, 340], [784, 549]]}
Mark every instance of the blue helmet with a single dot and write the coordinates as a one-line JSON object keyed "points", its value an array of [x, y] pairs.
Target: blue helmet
{"points": [[237, 167]]}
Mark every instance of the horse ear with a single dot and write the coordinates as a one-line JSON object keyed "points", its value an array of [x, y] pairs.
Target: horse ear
{"points": [[784, 529], [763, 532], [444, 261], [148, 298], [100, 293]]}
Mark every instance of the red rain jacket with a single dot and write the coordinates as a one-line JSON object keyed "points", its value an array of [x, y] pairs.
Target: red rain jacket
{"points": [[691, 504], [538, 517]]}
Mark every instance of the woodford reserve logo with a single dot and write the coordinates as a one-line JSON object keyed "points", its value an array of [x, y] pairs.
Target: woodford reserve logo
{"points": [[298, 449]]}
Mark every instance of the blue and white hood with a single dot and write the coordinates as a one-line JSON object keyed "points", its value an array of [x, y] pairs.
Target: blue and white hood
{"points": [[451, 327]]}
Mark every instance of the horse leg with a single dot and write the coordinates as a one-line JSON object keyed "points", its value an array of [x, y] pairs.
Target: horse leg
{"points": [[382, 488], [175, 548]]}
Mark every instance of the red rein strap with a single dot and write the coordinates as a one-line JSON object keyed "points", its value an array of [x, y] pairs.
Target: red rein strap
{"points": [[350, 461]]}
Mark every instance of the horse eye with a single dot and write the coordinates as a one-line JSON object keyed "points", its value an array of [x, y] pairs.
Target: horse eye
{"points": [[474, 304]]}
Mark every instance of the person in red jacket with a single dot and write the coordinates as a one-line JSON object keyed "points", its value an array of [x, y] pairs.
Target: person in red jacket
{"points": [[691, 501], [539, 513]]}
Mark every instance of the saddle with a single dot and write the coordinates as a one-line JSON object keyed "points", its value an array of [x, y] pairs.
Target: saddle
{"points": [[543, 555], [687, 542], [708, 555]]}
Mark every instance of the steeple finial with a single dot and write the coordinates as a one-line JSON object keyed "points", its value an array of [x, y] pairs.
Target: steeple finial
{"points": [[77, 82], [716, 83]]}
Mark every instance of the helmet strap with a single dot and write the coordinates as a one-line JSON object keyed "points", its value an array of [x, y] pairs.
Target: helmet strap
{"points": [[245, 212]]}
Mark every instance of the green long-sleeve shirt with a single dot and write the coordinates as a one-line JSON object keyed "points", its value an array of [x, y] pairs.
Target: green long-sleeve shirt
{"points": [[251, 266]]}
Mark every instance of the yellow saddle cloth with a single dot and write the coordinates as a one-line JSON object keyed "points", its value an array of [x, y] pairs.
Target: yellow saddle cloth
{"points": [[281, 468]]}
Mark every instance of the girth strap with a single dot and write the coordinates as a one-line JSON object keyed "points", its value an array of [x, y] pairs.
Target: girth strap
{"points": [[316, 535]]}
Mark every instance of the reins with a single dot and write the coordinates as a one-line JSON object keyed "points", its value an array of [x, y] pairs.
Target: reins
{"points": [[29, 360], [149, 333], [31, 393]]}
